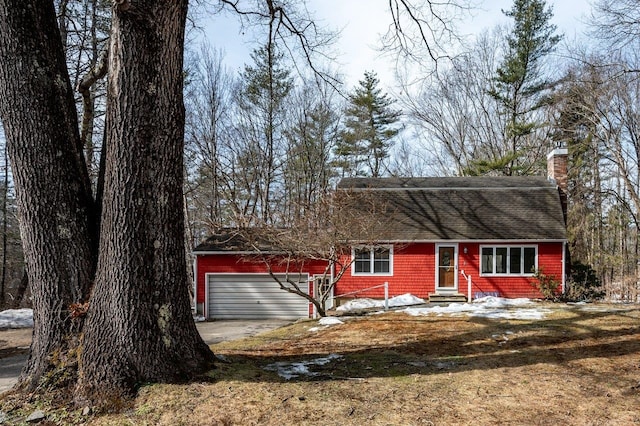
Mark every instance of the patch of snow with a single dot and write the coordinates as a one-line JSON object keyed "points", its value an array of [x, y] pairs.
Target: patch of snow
{"points": [[357, 304], [289, 370], [406, 299], [199, 318], [486, 307], [501, 302], [326, 322], [329, 321], [16, 318]]}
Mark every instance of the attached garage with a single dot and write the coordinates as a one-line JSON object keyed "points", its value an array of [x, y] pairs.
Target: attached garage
{"points": [[252, 296], [231, 282]]}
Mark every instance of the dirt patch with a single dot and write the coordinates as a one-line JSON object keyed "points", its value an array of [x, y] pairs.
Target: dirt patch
{"points": [[14, 341], [576, 366]]}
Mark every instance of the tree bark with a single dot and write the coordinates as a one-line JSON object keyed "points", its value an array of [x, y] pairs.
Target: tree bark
{"points": [[139, 326], [52, 187], [5, 194]]}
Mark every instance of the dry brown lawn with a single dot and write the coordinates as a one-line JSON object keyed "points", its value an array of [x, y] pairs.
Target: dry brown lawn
{"points": [[580, 365]]}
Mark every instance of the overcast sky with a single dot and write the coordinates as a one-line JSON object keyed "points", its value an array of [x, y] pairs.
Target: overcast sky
{"points": [[363, 21]]}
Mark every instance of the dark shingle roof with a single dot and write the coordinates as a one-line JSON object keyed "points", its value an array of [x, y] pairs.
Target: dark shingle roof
{"points": [[234, 240], [464, 208]]}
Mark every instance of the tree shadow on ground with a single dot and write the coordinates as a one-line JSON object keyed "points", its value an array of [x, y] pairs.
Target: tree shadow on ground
{"points": [[397, 344]]}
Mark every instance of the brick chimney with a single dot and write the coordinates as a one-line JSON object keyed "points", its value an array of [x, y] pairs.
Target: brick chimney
{"points": [[557, 161]]}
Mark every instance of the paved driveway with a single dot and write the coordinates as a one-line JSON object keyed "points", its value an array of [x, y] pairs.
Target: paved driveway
{"points": [[211, 332], [222, 331]]}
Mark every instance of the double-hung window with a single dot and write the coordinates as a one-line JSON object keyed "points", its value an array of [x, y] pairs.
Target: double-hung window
{"points": [[376, 260], [509, 260]]}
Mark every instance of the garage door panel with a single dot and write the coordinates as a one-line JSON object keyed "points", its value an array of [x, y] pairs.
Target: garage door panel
{"points": [[247, 288], [268, 287], [238, 299], [247, 296], [270, 311]]}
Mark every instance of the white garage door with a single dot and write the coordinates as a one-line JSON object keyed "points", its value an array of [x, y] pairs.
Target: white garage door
{"points": [[253, 296]]}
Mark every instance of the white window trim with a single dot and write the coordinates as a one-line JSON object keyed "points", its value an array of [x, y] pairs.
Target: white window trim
{"points": [[508, 246], [371, 260]]}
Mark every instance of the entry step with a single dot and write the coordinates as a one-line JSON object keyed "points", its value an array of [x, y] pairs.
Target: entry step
{"points": [[447, 298]]}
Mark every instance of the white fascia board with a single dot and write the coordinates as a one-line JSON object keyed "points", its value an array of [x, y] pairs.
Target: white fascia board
{"points": [[451, 188], [458, 241], [255, 253]]}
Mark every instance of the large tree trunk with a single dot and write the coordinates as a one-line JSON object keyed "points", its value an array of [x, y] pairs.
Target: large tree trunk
{"points": [[52, 186], [139, 326], [5, 195]]}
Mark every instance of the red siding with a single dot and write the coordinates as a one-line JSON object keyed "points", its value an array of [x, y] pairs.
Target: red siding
{"points": [[235, 263], [549, 260], [414, 272]]}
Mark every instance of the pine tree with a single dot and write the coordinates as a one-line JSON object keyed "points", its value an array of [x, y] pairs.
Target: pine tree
{"points": [[520, 86], [267, 85], [370, 127]]}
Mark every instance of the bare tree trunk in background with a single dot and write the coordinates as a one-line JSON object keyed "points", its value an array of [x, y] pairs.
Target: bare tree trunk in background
{"points": [[139, 327], [21, 291], [5, 194]]}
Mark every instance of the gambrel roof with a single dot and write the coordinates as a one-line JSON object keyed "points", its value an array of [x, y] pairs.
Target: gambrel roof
{"points": [[522, 208]]}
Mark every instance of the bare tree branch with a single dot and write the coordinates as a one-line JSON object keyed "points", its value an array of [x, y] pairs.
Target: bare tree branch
{"points": [[325, 234], [616, 22], [423, 29], [291, 26]]}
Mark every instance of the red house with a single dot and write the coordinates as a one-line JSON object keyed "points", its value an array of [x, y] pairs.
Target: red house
{"points": [[455, 238]]}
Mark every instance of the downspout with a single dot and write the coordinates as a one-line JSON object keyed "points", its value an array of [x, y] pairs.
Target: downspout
{"points": [[195, 284], [332, 275], [311, 283]]}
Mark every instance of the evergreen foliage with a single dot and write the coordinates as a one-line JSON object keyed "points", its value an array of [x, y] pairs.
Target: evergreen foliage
{"points": [[369, 129], [520, 86], [267, 86], [584, 284], [546, 284], [267, 80]]}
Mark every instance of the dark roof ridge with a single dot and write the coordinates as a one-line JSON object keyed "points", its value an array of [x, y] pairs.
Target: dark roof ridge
{"points": [[451, 188]]}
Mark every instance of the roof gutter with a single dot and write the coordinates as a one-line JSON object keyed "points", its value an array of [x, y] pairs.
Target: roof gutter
{"points": [[449, 188], [492, 241], [239, 252]]}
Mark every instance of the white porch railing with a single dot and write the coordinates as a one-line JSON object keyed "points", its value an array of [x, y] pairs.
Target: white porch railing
{"points": [[468, 278], [386, 293]]}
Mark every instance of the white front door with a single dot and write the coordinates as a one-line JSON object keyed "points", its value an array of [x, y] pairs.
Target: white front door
{"points": [[446, 268]]}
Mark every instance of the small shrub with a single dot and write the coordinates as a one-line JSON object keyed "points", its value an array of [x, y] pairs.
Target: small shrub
{"points": [[583, 284], [546, 284]]}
